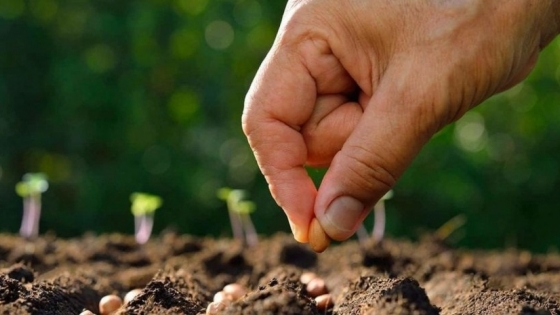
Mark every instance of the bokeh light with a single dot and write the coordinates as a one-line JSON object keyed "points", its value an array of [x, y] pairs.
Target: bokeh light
{"points": [[219, 35]]}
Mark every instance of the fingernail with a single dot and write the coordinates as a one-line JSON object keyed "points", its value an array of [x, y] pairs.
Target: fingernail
{"points": [[342, 217], [296, 231]]}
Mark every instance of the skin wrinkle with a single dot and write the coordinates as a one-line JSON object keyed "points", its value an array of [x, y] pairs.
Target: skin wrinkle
{"points": [[374, 163], [312, 131], [264, 142], [364, 81], [327, 57], [272, 116]]}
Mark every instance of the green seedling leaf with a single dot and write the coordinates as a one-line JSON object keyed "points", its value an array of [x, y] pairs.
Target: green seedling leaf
{"points": [[245, 207], [223, 193], [236, 195], [143, 204], [22, 189], [32, 184], [239, 211], [231, 196]]}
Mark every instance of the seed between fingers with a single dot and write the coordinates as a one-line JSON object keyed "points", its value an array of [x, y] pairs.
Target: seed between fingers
{"points": [[318, 239]]}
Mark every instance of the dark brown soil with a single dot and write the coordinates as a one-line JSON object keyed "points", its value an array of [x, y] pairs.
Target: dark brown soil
{"points": [[180, 274]]}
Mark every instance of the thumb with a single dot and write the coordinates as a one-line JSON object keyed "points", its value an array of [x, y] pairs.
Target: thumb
{"points": [[394, 127]]}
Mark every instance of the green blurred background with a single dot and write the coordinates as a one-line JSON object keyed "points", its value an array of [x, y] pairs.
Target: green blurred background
{"points": [[111, 97]]}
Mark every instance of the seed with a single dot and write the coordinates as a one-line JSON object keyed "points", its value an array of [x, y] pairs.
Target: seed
{"points": [[235, 291], [215, 307], [324, 302], [87, 312], [131, 295], [318, 239], [316, 287], [221, 296], [109, 304], [307, 276]]}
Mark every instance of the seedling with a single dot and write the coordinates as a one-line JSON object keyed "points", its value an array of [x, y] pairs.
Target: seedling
{"points": [[143, 208], [240, 215], [378, 231], [30, 189], [379, 217]]}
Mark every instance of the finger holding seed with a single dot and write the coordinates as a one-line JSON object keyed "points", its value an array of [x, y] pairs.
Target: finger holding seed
{"points": [[318, 239]]}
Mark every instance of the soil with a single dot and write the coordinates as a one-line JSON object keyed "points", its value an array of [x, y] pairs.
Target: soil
{"points": [[179, 274]]}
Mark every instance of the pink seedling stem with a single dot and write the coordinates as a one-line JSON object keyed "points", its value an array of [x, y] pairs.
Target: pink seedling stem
{"points": [[143, 225], [30, 189], [379, 218], [250, 232], [379, 223], [143, 208], [362, 234], [239, 211], [236, 225], [378, 231]]}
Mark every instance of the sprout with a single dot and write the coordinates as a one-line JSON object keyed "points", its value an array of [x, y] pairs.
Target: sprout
{"points": [[143, 208], [379, 217], [379, 221], [240, 214], [30, 189]]}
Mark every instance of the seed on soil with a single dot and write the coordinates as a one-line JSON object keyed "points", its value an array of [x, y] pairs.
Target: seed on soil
{"points": [[236, 291], [307, 276], [324, 302], [215, 307], [318, 239], [87, 312], [316, 287], [109, 304], [221, 296], [131, 295]]}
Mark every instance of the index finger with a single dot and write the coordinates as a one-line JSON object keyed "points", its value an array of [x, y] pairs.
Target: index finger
{"points": [[280, 100]]}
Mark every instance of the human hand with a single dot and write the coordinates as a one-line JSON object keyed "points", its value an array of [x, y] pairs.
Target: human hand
{"points": [[361, 86]]}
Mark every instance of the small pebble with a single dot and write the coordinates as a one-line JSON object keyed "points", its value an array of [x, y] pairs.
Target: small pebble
{"points": [[324, 302], [109, 304], [307, 276], [236, 291], [316, 287], [131, 295], [215, 307]]}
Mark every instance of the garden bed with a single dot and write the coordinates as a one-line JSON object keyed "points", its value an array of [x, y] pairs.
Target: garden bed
{"points": [[180, 274]]}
